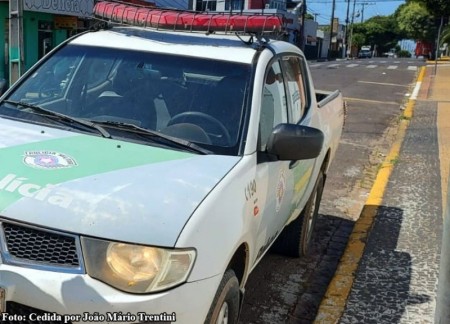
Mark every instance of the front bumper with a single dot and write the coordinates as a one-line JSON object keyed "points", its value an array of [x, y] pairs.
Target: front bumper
{"points": [[85, 298]]}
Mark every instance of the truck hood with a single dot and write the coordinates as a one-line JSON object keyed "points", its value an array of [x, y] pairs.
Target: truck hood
{"points": [[102, 187]]}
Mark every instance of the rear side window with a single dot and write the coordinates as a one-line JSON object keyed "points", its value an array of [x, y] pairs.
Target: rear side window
{"points": [[294, 78], [273, 104]]}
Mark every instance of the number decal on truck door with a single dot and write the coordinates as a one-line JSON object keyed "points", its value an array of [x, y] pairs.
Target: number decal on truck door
{"points": [[250, 190]]}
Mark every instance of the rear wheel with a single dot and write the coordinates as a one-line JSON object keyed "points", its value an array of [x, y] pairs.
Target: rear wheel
{"points": [[296, 238], [225, 306]]}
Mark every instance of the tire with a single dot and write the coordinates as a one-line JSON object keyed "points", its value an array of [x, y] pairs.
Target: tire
{"points": [[296, 238], [225, 306]]}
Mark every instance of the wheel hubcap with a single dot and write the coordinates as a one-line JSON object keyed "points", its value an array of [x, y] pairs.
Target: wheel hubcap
{"points": [[223, 314], [310, 216]]}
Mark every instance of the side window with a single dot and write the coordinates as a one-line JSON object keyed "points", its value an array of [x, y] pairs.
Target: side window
{"points": [[273, 104], [292, 69]]}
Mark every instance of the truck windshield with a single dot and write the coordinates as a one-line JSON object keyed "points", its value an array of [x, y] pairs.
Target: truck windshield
{"points": [[198, 100]]}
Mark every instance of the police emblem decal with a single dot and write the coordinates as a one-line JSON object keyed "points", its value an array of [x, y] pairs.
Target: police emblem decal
{"points": [[49, 160]]}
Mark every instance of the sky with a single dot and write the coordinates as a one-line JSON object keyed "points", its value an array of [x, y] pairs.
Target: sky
{"points": [[364, 9]]}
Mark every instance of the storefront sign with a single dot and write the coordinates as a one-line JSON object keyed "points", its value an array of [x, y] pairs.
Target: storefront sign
{"points": [[80, 8], [65, 22]]}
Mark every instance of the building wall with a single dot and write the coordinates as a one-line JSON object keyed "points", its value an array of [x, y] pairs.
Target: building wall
{"points": [[4, 13], [31, 36]]}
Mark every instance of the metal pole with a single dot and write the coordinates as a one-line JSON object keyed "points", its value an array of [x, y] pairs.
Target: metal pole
{"points": [[362, 12], [351, 28], [344, 55], [331, 29], [15, 40], [438, 45]]}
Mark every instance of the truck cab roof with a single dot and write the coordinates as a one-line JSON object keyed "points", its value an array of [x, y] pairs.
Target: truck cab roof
{"points": [[189, 44]]}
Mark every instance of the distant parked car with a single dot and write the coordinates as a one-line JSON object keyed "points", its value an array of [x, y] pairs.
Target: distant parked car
{"points": [[364, 53], [389, 54]]}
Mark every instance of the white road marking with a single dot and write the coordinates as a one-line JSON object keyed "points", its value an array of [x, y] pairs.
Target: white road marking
{"points": [[352, 65], [392, 67], [372, 66], [412, 68], [415, 92], [386, 84]]}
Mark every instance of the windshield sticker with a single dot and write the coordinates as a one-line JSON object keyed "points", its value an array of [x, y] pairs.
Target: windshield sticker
{"points": [[48, 160]]}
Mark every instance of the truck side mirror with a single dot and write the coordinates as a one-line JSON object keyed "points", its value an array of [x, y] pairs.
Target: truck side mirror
{"points": [[295, 142]]}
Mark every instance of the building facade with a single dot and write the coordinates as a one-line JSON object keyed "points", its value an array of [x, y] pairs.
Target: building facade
{"points": [[31, 28]]}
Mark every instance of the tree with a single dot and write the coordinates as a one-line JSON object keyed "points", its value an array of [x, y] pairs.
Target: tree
{"points": [[415, 21], [358, 40], [438, 8], [309, 16], [445, 37], [380, 31]]}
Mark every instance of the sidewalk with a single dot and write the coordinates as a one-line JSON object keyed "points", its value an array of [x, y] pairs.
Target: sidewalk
{"points": [[390, 268]]}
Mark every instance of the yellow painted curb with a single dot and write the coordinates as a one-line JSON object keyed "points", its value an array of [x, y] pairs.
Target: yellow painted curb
{"points": [[333, 304]]}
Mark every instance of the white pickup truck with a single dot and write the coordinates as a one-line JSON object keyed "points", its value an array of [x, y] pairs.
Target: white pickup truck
{"points": [[146, 172]]}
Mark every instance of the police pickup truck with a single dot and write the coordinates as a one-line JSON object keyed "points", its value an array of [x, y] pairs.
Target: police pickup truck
{"points": [[147, 166]]}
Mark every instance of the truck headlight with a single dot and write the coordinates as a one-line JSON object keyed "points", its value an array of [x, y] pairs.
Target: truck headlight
{"points": [[136, 268]]}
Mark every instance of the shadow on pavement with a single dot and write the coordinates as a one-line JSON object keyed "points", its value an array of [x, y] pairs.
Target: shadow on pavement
{"points": [[381, 290]]}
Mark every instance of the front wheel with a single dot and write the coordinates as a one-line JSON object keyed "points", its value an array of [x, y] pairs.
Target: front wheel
{"points": [[225, 306], [297, 237]]}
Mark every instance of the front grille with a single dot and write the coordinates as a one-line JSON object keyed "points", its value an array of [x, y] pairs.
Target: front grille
{"points": [[37, 246], [22, 314]]}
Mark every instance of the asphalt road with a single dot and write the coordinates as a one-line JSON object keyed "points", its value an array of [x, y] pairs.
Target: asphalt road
{"points": [[283, 290]]}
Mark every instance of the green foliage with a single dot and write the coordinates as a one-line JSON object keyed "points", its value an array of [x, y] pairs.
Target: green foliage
{"points": [[445, 36], [381, 31], [358, 39], [415, 21], [403, 53], [437, 8]]}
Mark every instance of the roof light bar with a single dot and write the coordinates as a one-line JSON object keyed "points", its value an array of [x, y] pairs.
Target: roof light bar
{"points": [[159, 18]]}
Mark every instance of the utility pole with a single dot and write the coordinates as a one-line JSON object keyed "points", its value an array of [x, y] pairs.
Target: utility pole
{"points": [[344, 54], [362, 11], [351, 29], [15, 40], [438, 45], [331, 29]]}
